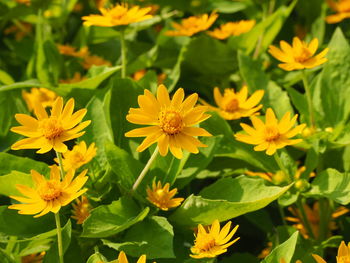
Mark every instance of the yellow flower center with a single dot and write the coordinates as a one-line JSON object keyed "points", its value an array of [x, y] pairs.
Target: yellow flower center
{"points": [[170, 122], [232, 105], [77, 157], [271, 134], [304, 54], [206, 243], [51, 128], [50, 190]]}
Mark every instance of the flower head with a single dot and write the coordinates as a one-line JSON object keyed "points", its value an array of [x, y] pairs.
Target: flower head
{"points": [[235, 105], [49, 195], [93, 60], [342, 257], [342, 9], [33, 258], [272, 134], [212, 242], [171, 121], [78, 156], [123, 259], [49, 132], [161, 196], [118, 15], [298, 56], [42, 96], [192, 25], [232, 29], [81, 209]]}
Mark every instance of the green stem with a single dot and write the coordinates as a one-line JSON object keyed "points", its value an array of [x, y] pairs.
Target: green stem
{"points": [[325, 216], [59, 237], [11, 244], [123, 53], [282, 214], [309, 99], [145, 169], [60, 163], [282, 167], [304, 218]]}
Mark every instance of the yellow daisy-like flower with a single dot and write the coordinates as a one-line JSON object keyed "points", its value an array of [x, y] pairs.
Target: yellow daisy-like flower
{"points": [[211, 243], [93, 60], [49, 195], [171, 121], [272, 134], [342, 9], [232, 29], [49, 132], [33, 258], [123, 259], [20, 30], [42, 96], [342, 257], [192, 25], [78, 156], [81, 209], [235, 105], [161, 197], [298, 56], [118, 15]]}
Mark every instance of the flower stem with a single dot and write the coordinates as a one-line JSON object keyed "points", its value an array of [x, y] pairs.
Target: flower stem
{"points": [[59, 237], [60, 163], [123, 53], [309, 99], [282, 167], [145, 169], [304, 218]]}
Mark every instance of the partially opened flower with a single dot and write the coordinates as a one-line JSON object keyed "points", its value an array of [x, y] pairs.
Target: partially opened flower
{"points": [[123, 259], [78, 156], [49, 195], [49, 132], [232, 29], [171, 122], [161, 196], [235, 105], [298, 56], [81, 209], [342, 9], [342, 257], [212, 241], [118, 15], [42, 96], [272, 134], [192, 25]]}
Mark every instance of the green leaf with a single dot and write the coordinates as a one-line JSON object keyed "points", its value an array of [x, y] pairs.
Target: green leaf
{"points": [[153, 237], [11, 163], [19, 85], [108, 220], [96, 258], [225, 199], [8, 183], [5, 78], [5, 258]]}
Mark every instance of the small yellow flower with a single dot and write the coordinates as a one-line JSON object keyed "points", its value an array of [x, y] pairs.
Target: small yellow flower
{"points": [[93, 60], [342, 257], [232, 29], [78, 156], [171, 122], [49, 132], [298, 56], [118, 15], [33, 258], [49, 195], [192, 25], [81, 209], [123, 259], [42, 96], [161, 197], [20, 30], [142, 72], [235, 105], [68, 50], [342, 9], [77, 77], [211, 243]]}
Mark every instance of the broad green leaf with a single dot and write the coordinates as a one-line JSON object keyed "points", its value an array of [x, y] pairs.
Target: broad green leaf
{"points": [[5, 78], [225, 199], [19, 85], [153, 237], [96, 258], [108, 220], [8, 182], [11, 163]]}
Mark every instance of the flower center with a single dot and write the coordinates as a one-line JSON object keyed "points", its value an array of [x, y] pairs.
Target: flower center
{"points": [[303, 55], [77, 157], [271, 134], [232, 105], [170, 122], [50, 190], [206, 243], [51, 128]]}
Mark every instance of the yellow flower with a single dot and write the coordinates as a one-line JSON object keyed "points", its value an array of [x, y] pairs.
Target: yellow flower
{"points": [[118, 15], [123, 259], [49, 132], [235, 105], [81, 209], [78, 156], [93, 60], [42, 96], [20, 30], [342, 9], [33, 258], [142, 72], [68, 50], [342, 257], [171, 122], [271, 135], [298, 56], [49, 195], [192, 25], [211, 243], [232, 29], [76, 78], [161, 197]]}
